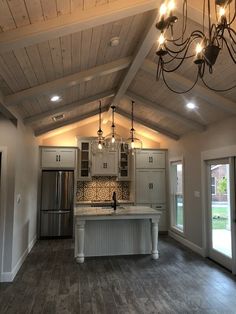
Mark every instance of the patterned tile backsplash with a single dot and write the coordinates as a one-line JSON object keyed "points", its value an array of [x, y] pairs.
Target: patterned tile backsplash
{"points": [[101, 189]]}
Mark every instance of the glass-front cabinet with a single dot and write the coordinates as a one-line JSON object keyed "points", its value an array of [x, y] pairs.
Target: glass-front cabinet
{"points": [[124, 162], [84, 160]]}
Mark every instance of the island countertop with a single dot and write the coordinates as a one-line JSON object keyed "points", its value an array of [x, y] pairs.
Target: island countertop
{"points": [[120, 211]]}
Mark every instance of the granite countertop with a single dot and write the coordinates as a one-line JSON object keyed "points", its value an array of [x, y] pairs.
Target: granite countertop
{"points": [[120, 211], [103, 202]]}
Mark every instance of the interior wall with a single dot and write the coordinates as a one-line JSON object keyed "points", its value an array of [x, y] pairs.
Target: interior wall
{"points": [[190, 147], [21, 151], [69, 137]]}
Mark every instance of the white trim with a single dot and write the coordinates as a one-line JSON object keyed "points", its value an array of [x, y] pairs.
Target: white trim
{"points": [[197, 249], [172, 161], [9, 276], [3, 192], [213, 154]]}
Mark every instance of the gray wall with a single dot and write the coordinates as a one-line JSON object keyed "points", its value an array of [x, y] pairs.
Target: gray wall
{"points": [[22, 166], [190, 147]]}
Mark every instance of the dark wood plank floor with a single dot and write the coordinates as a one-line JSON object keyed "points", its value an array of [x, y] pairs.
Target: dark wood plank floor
{"points": [[179, 282]]}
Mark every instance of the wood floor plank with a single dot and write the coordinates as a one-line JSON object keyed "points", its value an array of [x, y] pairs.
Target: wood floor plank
{"points": [[50, 281]]}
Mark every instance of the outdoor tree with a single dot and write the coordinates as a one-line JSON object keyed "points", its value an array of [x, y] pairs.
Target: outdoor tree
{"points": [[222, 185]]}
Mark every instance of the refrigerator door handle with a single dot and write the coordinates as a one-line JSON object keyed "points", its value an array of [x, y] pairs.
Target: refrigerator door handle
{"points": [[56, 212]]}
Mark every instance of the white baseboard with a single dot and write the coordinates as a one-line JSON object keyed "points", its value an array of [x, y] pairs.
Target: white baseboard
{"points": [[199, 250], [9, 276]]}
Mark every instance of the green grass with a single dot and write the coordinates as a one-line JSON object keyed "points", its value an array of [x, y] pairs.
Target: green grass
{"points": [[218, 223], [221, 222]]}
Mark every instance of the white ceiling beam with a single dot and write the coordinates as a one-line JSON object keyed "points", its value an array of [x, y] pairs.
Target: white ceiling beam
{"points": [[167, 112], [150, 125], [5, 111], [68, 81], [72, 23], [68, 107], [145, 46], [180, 81], [54, 126]]}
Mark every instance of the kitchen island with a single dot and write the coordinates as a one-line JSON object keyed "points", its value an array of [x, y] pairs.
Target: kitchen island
{"points": [[128, 230]]}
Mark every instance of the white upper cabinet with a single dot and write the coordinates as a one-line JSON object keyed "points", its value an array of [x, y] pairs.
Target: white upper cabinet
{"points": [[58, 158], [105, 164], [150, 159]]}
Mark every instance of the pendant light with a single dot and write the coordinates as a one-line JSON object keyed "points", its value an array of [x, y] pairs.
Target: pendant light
{"points": [[133, 141], [98, 143], [113, 139], [100, 131]]}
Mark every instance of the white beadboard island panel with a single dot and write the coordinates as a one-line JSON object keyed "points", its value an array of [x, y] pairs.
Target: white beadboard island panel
{"points": [[105, 232]]}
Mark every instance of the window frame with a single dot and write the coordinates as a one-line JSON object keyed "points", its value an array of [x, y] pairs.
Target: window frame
{"points": [[173, 223], [213, 185]]}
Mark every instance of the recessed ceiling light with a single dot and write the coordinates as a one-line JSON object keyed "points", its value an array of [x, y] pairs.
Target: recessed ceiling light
{"points": [[114, 42], [191, 105], [55, 98]]}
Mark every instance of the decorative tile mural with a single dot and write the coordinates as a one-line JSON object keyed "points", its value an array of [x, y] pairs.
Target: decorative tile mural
{"points": [[101, 189]]}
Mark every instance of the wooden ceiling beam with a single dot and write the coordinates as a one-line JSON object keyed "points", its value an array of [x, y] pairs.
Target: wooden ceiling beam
{"points": [[68, 81], [145, 46], [206, 94], [5, 111], [148, 124], [54, 126], [167, 112], [72, 23], [67, 107]]}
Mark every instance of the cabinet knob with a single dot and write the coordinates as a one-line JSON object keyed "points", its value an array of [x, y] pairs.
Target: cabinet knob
{"points": [[150, 159], [150, 186]]}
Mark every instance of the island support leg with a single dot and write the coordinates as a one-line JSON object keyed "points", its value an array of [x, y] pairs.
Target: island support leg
{"points": [[79, 242], [155, 253]]}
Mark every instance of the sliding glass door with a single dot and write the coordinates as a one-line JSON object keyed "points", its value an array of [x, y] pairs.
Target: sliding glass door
{"points": [[221, 210]]}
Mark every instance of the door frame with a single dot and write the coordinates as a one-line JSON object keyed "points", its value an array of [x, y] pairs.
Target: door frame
{"points": [[3, 196], [214, 154]]}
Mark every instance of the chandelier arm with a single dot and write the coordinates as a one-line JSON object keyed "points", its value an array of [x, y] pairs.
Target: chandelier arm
{"points": [[234, 16], [217, 90], [176, 57], [190, 40], [180, 63], [179, 92], [229, 50], [231, 36]]}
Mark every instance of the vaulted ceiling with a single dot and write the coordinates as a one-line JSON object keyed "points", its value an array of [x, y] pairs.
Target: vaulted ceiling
{"points": [[63, 47]]}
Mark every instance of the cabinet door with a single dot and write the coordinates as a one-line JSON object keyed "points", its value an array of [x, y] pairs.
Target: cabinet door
{"points": [[67, 158], [150, 186], [105, 164], [84, 161], [50, 158], [142, 187], [148, 159], [157, 186]]}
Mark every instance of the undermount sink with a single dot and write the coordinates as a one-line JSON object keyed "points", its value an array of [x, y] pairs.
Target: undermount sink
{"points": [[110, 207]]}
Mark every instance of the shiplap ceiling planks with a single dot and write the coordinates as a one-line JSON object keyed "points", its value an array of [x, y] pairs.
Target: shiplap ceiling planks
{"points": [[43, 42], [56, 25]]}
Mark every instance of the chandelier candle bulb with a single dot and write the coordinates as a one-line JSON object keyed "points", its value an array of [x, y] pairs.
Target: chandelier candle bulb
{"points": [[163, 10]]}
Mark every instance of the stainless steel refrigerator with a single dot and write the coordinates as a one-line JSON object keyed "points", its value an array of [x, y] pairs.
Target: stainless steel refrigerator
{"points": [[57, 197]]}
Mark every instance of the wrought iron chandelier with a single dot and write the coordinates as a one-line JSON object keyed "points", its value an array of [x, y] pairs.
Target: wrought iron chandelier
{"points": [[208, 42]]}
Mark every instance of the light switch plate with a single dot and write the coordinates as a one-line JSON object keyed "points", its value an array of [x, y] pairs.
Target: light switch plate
{"points": [[197, 194]]}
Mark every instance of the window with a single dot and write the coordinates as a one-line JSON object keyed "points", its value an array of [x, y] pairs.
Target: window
{"points": [[213, 186], [177, 198]]}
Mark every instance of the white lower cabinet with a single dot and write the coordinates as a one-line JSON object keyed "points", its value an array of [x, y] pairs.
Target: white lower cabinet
{"points": [[150, 186]]}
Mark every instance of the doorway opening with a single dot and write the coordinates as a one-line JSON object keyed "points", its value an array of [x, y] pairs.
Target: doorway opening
{"points": [[220, 211]]}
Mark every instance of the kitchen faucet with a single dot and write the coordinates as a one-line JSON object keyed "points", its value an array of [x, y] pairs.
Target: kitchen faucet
{"points": [[114, 203]]}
